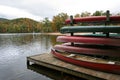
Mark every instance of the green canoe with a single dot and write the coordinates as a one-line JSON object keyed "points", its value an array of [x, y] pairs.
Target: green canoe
{"points": [[104, 29]]}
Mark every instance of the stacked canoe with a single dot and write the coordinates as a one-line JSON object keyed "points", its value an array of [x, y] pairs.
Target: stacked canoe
{"points": [[100, 51]]}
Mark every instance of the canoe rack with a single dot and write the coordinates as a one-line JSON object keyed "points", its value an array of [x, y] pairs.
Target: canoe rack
{"points": [[105, 44]]}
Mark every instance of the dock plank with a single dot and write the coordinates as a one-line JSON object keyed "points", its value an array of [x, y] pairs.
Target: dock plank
{"points": [[49, 61]]}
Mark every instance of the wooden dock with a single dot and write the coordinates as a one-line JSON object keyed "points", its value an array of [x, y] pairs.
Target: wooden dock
{"points": [[47, 60]]}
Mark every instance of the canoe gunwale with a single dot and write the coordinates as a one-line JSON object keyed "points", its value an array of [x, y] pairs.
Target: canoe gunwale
{"points": [[88, 51], [112, 68]]}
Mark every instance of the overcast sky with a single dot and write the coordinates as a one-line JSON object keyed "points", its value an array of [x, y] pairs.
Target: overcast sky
{"points": [[39, 9]]}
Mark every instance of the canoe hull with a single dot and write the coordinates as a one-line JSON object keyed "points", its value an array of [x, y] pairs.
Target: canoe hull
{"points": [[112, 68], [89, 40], [94, 19], [89, 51], [76, 29]]}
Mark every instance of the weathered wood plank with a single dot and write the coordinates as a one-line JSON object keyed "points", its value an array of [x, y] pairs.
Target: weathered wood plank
{"points": [[49, 61]]}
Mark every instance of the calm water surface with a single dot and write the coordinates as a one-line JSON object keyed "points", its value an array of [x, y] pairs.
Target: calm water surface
{"points": [[14, 48]]}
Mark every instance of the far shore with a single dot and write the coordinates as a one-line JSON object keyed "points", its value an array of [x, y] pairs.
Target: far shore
{"points": [[53, 33], [57, 33]]}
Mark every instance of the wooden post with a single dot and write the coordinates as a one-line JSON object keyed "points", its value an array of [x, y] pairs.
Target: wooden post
{"points": [[71, 23], [28, 62], [107, 21], [107, 16], [71, 20]]}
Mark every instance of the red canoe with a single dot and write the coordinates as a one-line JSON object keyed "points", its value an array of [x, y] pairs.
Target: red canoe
{"points": [[87, 50], [94, 19], [104, 66], [90, 40]]}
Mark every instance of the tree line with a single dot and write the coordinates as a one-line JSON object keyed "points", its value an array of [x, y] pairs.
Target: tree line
{"points": [[26, 25]]}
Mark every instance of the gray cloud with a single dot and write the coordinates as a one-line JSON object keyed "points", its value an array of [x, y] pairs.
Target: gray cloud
{"points": [[49, 8], [39, 9]]}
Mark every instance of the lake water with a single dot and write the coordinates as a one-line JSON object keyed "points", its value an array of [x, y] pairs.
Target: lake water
{"points": [[14, 48]]}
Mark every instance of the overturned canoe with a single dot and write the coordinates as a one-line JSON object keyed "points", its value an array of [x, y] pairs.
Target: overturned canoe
{"points": [[88, 63], [112, 52], [94, 19], [104, 29], [90, 40]]}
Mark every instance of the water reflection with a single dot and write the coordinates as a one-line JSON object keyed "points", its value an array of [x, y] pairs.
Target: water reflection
{"points": [[14, 48], [53, 74]]}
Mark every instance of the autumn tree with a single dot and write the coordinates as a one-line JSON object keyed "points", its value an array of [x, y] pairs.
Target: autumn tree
{"points": [[99, 13], [77, 15], [46, 27], [85, 14], [58, 21], [118, 14]]}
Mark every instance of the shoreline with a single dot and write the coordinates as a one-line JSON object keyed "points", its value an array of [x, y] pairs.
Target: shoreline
{"points": [[54, 33]]}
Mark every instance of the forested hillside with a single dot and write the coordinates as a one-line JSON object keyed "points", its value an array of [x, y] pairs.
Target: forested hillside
{"points": [[26, 25], [18, 25]]}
